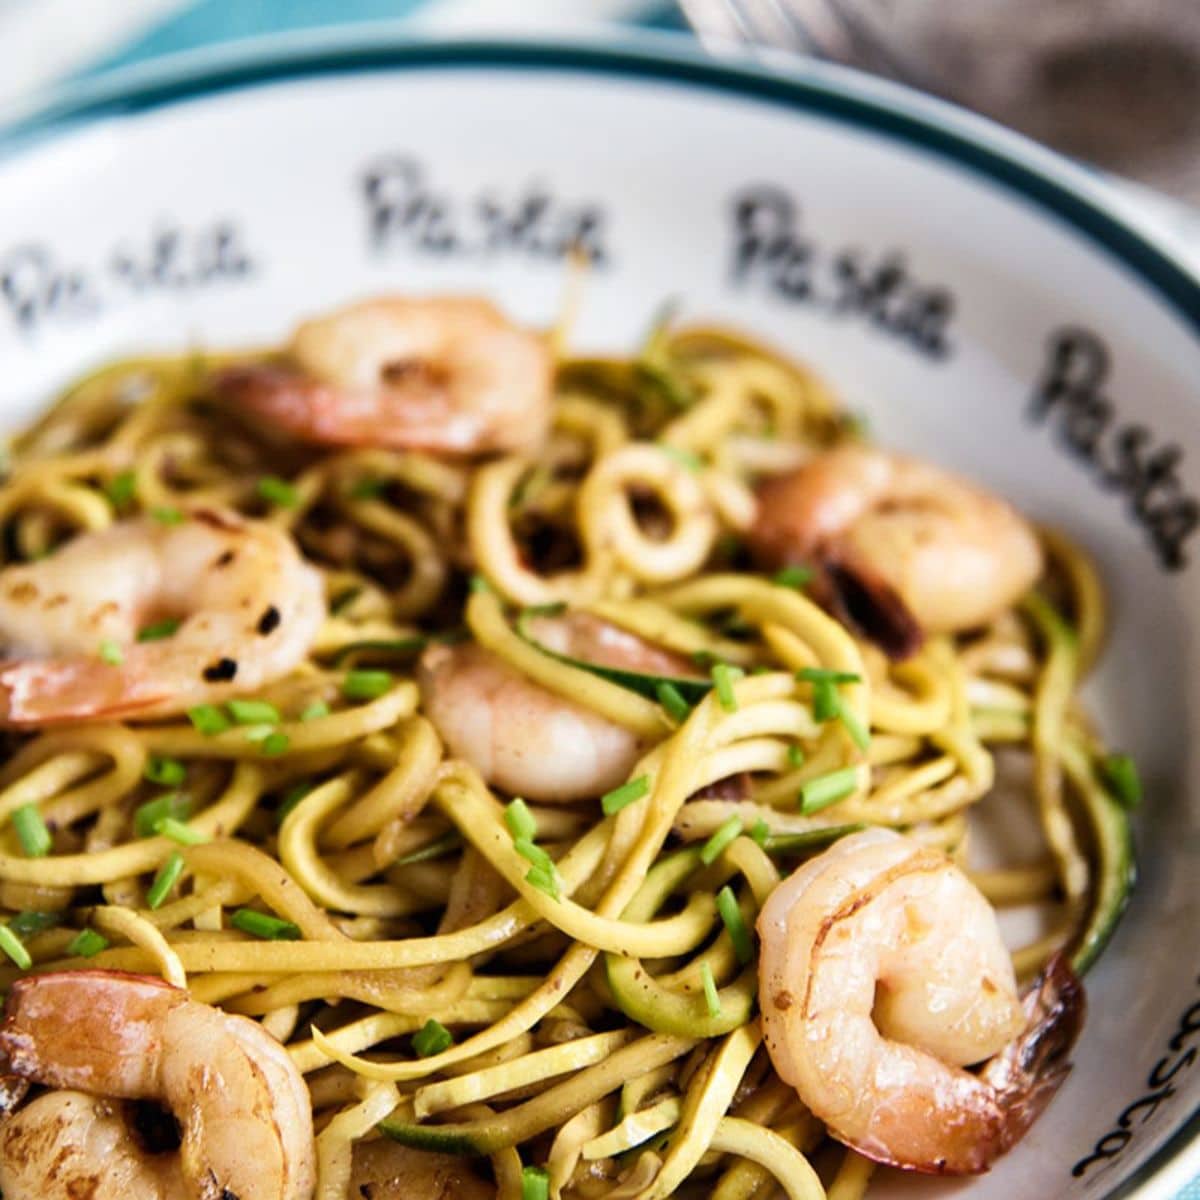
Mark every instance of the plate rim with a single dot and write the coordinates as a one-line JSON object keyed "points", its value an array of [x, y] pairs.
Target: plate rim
{"points": [[1059, 188]]}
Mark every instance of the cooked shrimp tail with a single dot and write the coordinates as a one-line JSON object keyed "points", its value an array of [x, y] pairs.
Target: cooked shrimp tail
{"points": [[882, 978], [904, 547], [1027, 1073], [869, 604]]}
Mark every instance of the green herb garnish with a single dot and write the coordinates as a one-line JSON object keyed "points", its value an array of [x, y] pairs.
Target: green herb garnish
{"points": [[277, 491], [31, 831], [726, 833], [825, 790], [731, 916], [265, 926], [432, 1038], [166, 878], [620, 797]]}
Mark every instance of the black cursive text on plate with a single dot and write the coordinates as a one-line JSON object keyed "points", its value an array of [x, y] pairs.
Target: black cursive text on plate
{"points": [[37, 286], [771, 249], [1179, 1057], [406, 211], [1124, 457]]}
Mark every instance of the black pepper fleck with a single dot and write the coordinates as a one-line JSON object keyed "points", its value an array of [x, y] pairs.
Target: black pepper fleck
{"points": [[225, 559], [269, 621], [220, 671]]}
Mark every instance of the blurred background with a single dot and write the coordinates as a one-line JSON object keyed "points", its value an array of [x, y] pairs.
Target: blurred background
{"points": [[1113, 83]]}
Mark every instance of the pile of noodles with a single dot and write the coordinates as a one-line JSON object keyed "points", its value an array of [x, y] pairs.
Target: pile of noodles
{"points": [[582, 1037]]}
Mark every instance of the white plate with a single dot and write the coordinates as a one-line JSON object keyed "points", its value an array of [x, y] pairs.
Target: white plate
{"points": [[973, 295]]}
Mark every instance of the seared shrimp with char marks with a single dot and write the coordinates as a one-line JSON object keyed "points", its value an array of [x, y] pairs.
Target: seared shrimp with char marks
{"points": [[906, 547], [449, 375], [522, 737], [247, 604], [882, 975], [243, 1109]]}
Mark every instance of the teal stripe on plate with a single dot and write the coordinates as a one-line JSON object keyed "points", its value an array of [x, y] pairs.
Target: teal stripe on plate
{"points": [[212, 22]]}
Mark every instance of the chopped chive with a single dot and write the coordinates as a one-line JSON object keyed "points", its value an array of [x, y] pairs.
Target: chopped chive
{"points": [[121, 488], [544, 880], [31, 831], [796, 577], [1121, 779], [827, 675], [167, 877], [265, 926], [711, 1000], [620, 797], [146, 817], [435, 849], [257, 733], [208, 719], [726, 833], [686, 458], [532, 852], [179, 831], [432, 1038], [275, 744], [110, 652], [860, 735], [159, 630], [731, 915], [291, 800], [795, 756], [169, 772], [343, 600], [365, 685], [317, 709], [479, 584], [28, 922], [704, 659], [367, 488], [677, 708], [825, 790], [535, 1183], [520, 820], [760, 832], [723, 675], [826, 704], [253, 712], [87, 943], [14, 948], [277, 491], [167, 515]]}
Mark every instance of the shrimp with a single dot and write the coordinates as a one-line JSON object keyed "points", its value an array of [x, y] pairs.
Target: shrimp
{"points": [[248, 608], [522, 737], [448, 374], [243, 1109], [384, 1170], [882, 975], [906, 547]]}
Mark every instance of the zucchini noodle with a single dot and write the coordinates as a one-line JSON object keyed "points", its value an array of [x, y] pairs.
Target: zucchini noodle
{"points": [[578, 994]]}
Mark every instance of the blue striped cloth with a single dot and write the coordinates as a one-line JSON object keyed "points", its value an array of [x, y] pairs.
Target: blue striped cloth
{"points": [[196, 23]]}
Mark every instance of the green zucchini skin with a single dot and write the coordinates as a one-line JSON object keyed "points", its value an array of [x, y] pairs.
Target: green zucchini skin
{"points": [[692, 689], [1116, 878], [446, 1139]]}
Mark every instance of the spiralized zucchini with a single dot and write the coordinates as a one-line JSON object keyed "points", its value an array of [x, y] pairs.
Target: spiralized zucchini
{"points": [[602, 1025]]}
